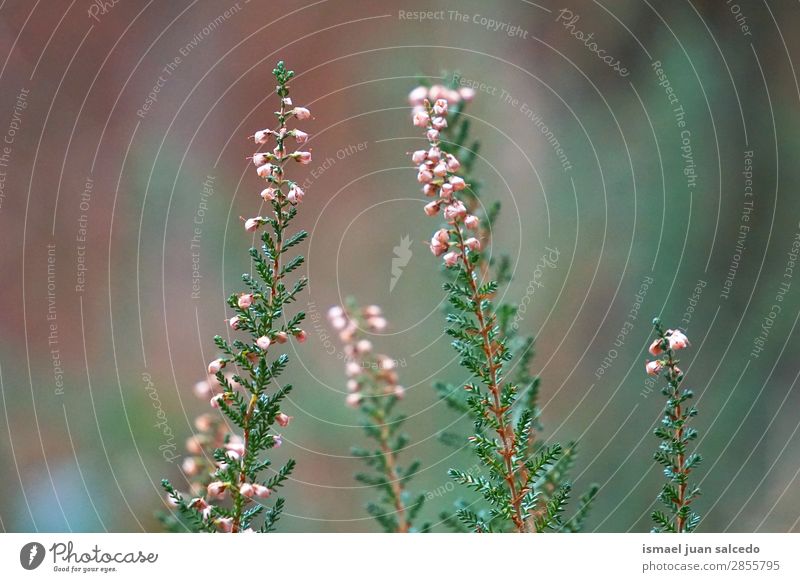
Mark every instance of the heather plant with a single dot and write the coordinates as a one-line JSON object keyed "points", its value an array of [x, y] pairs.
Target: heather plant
{"points": [[240, 477], [522, 480], [373, 389], [675, 435]]}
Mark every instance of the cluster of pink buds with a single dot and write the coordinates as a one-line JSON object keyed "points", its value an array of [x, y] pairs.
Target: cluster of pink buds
{"points": [[369, 374], [270, 165], [673, 340], [211, 432], [418, 96], [437, 172], [347, 326]]}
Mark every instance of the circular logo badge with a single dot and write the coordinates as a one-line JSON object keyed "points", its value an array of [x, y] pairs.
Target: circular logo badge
{"points": [[31, 555]]}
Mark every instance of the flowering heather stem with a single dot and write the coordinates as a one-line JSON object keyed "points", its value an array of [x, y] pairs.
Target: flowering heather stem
{"points": [[373, 389], [243, 396], [481, 338], [675, 435]]}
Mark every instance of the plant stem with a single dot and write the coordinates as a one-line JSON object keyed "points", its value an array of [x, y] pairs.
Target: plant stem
{"points": [[503, 429], [390, 465], [676, 416]]}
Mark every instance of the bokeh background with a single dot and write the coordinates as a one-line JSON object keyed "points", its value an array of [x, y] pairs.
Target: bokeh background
{"points": [[102, 188]]}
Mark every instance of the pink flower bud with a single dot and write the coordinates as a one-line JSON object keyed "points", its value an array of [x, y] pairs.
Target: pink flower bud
{"points": [[421, 119], [353, 400], [455, 210], [440, 170], [295, 195], [377, 323], [264, 171], [189, 466], [471, 222], [204, 422], [281, 337], [261, 490], [442, 235], [452, 163], [246, 490], [252, 224], [268, 194], [352, 369], [234, 322], [437, 92], [438, 248], [301, 113], [283, 419], [301, 336], [653, 368], [261, 136], [216, 489], [417, 96], [216, 365], [198, 503], [440, 107], [466, 93], [202, 389], [335, 311], [353, 385], [387, 363], [434, 154], [346, 334], [424, 176], [215, 400], [655, 347], [432, 208], [419, 156], [259, 159], [263, 342], [473, 244], [277, 441], [245, 300], [677, 340], [338, 323], [451, 259], [364, 346], [399, 391], [193, 446], [458, 183], [432, 134], [235, 448], [430, 189], [300, 136], [224, 524], [302, 157], [439, 122]]}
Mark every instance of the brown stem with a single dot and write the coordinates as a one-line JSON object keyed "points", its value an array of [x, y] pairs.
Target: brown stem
{"points": [[504, 430], [390, 462], [671, 364]]}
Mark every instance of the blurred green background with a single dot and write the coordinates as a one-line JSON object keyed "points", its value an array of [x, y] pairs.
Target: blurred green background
{"points": [[100, 176]]}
